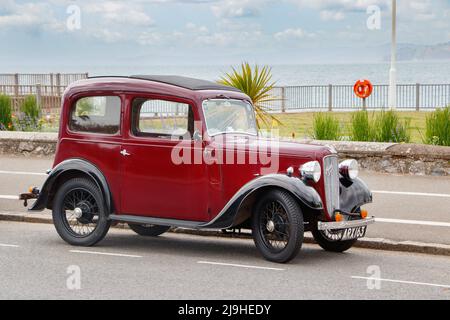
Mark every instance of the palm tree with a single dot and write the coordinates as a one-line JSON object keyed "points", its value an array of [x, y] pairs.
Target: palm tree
{"points": [[257, 84]]}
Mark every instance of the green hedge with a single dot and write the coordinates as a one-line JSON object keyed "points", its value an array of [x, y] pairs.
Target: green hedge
{"points": [[326, 127], [438, 127], [5, 113]]}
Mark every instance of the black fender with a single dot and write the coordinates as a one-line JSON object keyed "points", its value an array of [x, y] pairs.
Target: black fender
{"points": [[304, 193], [354, 194], [72, 165]]}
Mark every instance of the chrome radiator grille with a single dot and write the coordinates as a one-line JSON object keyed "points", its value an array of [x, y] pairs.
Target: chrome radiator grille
{"points": [[331, 181]]}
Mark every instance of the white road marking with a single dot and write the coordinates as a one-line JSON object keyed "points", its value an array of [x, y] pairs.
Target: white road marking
{"points": [[417, 194], [23, 173], [414, 222], [239, 265], [404, 282], [8, 245], [106, 254], [5, 197]]}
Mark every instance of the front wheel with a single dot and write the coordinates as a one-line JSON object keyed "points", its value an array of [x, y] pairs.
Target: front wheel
{"points": [[148, 230], [326, 242], [277, 225], [329, 240], [79, 213]]}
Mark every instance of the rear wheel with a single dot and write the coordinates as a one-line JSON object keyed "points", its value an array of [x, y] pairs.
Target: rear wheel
{"points": [[79, 213], [148, 230], [277, 225]]}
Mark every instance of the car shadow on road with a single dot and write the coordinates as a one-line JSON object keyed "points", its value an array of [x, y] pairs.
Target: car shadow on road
{"points": [[241, 250]]}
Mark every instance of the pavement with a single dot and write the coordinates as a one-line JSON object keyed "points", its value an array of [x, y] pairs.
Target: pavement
{"points": [[37, 264]]}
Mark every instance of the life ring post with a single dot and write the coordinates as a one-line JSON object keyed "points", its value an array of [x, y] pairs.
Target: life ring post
{"points": [[363, 89]]}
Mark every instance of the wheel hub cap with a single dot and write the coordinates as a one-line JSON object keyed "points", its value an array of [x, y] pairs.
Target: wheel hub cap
{"points": [[270, 226], [78, 212]]}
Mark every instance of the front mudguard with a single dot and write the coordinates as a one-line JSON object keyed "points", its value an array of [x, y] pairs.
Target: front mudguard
{"points": [[354, 194], [229, 216]]}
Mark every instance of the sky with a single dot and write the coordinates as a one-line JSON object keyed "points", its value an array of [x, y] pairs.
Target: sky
{"points": [[74, 33]]}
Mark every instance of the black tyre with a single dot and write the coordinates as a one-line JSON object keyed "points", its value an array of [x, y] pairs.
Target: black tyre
{"points": [[79, 213], [148, 230], [329, 245], [329, 240], [277, 225]]}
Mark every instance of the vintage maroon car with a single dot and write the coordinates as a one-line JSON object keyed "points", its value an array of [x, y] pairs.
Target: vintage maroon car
{"points": [[164, 151]]}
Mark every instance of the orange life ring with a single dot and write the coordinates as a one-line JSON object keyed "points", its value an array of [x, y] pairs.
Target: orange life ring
{"points": [[363, 89]]}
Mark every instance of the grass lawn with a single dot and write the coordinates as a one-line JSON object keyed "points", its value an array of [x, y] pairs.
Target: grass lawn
{"points": [[301, 123]]}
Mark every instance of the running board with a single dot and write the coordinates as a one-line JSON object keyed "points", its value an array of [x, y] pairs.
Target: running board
{"points": [[157, 221]]}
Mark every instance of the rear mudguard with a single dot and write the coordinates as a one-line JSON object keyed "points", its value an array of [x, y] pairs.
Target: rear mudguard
{"points": [[307, 195], [72, 165]]}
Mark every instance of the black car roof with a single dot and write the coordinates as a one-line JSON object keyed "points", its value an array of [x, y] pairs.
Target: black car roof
{"points": [[186, 82]]}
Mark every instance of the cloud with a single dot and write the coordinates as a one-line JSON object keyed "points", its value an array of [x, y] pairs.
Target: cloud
{"points": [[108, 36], [118, 12], [332, 15], [237, 8], [338, 9], [192, 27], [149, 38], [28, 16], [419, 10], [227, 33], [344, 5], [293, 34], [228, 26]]}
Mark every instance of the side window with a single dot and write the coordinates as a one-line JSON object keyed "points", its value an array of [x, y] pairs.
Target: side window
{"points": [[96, 115], [161, 118]]}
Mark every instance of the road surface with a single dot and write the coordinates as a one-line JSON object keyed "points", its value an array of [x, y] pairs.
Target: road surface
{"points": [[37, 264], [408, 208]]}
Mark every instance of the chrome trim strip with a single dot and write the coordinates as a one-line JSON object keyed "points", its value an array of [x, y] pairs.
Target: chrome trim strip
{"points": [[344, 224], [156, 221]]}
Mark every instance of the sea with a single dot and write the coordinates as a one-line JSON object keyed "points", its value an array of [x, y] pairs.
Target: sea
{"points": [[437, 72]]}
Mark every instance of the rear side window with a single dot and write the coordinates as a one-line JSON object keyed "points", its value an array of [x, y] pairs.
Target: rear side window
{"points": [[161, 118], [99, 114]]}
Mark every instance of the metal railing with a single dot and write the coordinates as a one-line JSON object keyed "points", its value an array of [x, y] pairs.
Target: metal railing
{"points": [[25, 90], [46, 79], [341, 97], [47, 97], [47, 88], [292, 98]]}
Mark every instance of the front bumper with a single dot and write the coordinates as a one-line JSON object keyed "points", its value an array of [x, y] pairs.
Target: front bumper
{"points": [[344, 224]]}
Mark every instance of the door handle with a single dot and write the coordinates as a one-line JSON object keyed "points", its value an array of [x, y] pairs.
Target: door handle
{"points": [[125, 153], [208, 153]]}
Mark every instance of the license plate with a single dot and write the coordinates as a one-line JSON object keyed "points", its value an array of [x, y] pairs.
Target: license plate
{"points": [[354, 233]]}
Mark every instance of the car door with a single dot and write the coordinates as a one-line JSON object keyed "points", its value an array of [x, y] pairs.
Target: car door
{"points": [[158, 179], [93, 132]]}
